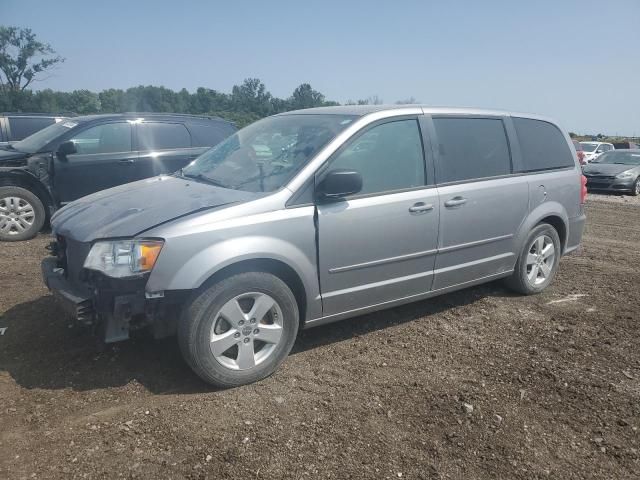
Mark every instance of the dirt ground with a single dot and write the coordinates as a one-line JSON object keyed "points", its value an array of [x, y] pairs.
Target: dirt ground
{"points": [[476, 384]]}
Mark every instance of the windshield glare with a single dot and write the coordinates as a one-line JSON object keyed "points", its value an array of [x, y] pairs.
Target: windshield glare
{"points": [[265, 155], [589, 147], [34, 143], [624, 158]]}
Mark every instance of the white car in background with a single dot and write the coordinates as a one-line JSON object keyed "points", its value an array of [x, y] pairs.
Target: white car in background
{"points": [[593, 150]]}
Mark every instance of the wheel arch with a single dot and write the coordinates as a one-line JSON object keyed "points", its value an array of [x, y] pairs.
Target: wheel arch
{"points": [[275, 267], [552, 213], [560, 226], [22, 179]]}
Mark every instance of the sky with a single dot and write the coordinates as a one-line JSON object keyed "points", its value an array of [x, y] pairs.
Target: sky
{"points": [[575, 60]]}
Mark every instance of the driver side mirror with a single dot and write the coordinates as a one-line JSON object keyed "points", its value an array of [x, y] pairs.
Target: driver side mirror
{"points": [[67, 148], [339, 183]]}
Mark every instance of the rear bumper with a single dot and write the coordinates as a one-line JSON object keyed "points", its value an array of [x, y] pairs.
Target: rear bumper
{"points": [[574, 234]]}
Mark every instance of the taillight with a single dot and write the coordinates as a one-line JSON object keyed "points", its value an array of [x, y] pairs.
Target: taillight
{"points": [[583, 189]]}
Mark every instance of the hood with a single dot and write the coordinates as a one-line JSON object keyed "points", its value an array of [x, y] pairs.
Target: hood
{"points": [[130, 209], [606, 168], [13, 158]]}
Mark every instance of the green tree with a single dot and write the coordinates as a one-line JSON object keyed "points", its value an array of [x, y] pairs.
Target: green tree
{"points": [[112, 100], [23, 58], [306, 97], [82, 102], [251, 96]]}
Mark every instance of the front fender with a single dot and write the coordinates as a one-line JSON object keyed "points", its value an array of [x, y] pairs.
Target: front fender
{"points": [[196, 270], [23, 177]]}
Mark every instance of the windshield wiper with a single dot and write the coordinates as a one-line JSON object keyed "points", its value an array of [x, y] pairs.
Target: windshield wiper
{"points": [[204, 179]]}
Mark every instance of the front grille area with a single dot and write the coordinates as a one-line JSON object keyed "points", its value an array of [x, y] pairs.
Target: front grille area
{"points": [[601, 177], [70, 255], [75, 255]]}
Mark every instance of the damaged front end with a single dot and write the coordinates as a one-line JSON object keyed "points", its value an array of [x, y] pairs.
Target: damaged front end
{"points": [[111, 306]]}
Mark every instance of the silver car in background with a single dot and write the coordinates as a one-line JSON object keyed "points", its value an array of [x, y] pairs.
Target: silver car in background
{"points": [[314, 216]]}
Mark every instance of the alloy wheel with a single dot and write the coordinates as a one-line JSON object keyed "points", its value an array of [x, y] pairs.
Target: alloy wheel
{"points": [[540, 260], [246, 331], [16, 215]]}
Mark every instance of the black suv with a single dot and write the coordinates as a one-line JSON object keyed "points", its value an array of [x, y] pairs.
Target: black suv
{"points": [[16, 126], [82, 155]]}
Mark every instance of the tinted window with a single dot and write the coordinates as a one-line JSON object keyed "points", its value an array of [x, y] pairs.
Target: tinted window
{"points": [[388, 156], [161, 136], [107, 138], [543, 146], [209, 134], [22, 127], [471, 148]]}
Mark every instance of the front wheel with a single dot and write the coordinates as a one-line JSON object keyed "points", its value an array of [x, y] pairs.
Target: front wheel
{"points": [[635, 191], [239, 330], [22, 214], [537, 264]]}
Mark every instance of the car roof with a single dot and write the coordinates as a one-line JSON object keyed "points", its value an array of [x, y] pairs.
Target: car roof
{"points": [[362, 110]]}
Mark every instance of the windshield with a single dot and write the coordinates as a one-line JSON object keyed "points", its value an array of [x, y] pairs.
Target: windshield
{"points": [[33, 143], [265, 155], [588, 146], [623, 158]]}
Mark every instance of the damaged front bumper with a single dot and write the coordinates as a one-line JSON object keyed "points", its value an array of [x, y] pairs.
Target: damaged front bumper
{"points": [[113, 306]]}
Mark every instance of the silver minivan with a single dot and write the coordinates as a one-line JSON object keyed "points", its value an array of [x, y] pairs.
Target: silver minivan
{"points": [[314, 216]]}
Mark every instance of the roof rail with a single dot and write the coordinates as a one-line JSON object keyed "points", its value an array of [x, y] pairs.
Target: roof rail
{"points": [[39, 114], [190, 115]]}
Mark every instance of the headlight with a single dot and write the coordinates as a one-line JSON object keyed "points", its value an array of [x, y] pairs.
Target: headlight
{"points": [[123, 258], [625, 175]]}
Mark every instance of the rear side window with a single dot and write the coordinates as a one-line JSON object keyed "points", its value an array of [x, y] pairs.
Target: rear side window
{"points": [[471, 148], [22, 127], [542, 144], [209, 134], [162, 136]]}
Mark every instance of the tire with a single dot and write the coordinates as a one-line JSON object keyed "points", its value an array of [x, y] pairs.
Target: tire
{"points": [[635, 191], [22, 214], [529, 276], [217, 325]]}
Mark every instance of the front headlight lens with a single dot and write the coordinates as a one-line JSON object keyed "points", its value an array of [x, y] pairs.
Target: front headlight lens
{"points": [[123, 258], [625, 175]]}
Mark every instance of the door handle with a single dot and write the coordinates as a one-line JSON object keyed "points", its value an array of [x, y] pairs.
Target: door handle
{"points": [[421, 207], [455, 202], [126, 161]]}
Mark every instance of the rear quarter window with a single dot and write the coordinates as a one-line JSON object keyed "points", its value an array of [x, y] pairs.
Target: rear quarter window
{"points": [[209, 134], [542, 144]]}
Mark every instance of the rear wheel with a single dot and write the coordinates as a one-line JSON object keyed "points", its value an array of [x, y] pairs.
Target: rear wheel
{"points": [[22, 214], [240, 329], [537, 264], [635, 191]]}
